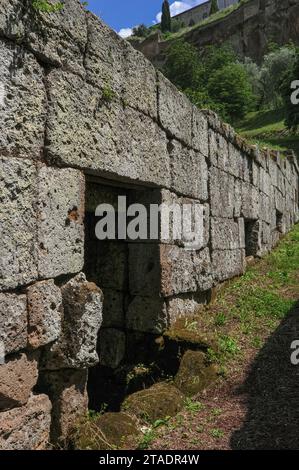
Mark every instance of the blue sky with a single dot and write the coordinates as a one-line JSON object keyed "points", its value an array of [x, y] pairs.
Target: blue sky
{"points": [[122, 15]]}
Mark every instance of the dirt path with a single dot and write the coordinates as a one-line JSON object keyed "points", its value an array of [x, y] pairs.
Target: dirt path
{"points": [[256, 407], [256, 404]]}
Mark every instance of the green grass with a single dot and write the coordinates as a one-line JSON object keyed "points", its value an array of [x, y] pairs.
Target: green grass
{"points": [[267, 129]]}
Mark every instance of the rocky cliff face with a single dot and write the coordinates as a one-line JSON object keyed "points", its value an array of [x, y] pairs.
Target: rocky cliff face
{"points": [[80, 106], [249, 29]]}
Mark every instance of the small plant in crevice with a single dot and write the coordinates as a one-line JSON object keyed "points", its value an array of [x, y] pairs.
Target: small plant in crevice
{"points": [[193, 406], [108, 94], [148, 438], [46, 7]]}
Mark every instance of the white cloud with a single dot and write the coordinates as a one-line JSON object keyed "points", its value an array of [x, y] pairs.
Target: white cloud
{"points": [[125, 32], [179, 7]]}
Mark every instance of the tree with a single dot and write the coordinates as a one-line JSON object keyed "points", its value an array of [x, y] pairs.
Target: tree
{"points": [[183, 66], [166, 18], [214, 7], [231, 87], [141, 31]]}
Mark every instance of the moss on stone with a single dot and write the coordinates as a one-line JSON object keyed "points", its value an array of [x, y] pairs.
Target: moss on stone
{"points": [[157, 402], [195, 373], [186, 331], [106, 432]]}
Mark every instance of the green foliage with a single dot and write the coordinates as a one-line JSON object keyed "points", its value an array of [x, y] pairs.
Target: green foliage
{"points": [[108, 94], [193, 406], [214, 7], [166, 18], [148, 438], [231, 87], [141, 31], [221, 319], [46, 7], [217, 433], [176, 25], [211, 79]]}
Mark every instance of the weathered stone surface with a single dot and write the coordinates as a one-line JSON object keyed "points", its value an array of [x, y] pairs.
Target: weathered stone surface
{"points": [[22, 103], [11, 19], [227, 234], [60, 38], [174, 110], [27, 427], [86, 130], [67, 391], [227, 264], [13, 322], [184, 271], [44, 313], [250, 201], [195, 373], [147, 314], [189, 171], [60, 221], [76, 347], [112, 347], [222, 193], [157, 402], [106, 432], [200, 138], [18, 258], [185, 305], [18, 376], [113, 311]]}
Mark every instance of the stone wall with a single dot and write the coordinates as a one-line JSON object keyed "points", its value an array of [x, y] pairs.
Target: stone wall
{"points": [[79, 103], [200, 12]]}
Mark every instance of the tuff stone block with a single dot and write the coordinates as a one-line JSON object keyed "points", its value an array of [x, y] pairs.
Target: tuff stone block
{"points": [[174, 110], [22, 102], [250, 201], [68, 394], [44, 313], [227, 264], [86, 130], [18, 250], [184, 271], [27, 427], [185, 305], [147, 314], [226, 234], [60, 221], [58, 39], [76, 347], [18, 376], [13, 322], [113, 310], [200, 138], [222, 195], [189, 171]]}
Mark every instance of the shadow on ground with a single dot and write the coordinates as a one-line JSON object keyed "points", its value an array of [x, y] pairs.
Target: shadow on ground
{"points": [[272, 394]]}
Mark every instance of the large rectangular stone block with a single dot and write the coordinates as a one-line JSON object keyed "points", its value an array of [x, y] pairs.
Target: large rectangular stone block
{"points": [[13, 322], [18, 376], [184, 271], [58, 38], [189, 171], [200, 136], [113, 309], [147, 314], [174, 110], [44, 313], [18, 248], [60, 221], [23, 102], [82, 318], [228, 264], [27, 427], [222, 193], [250, 201], [227, 234], [112, 64], [92, 132]]}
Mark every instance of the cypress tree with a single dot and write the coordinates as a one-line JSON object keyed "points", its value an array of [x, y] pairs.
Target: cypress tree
{"points": [[166, 18], [214, 7]]}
